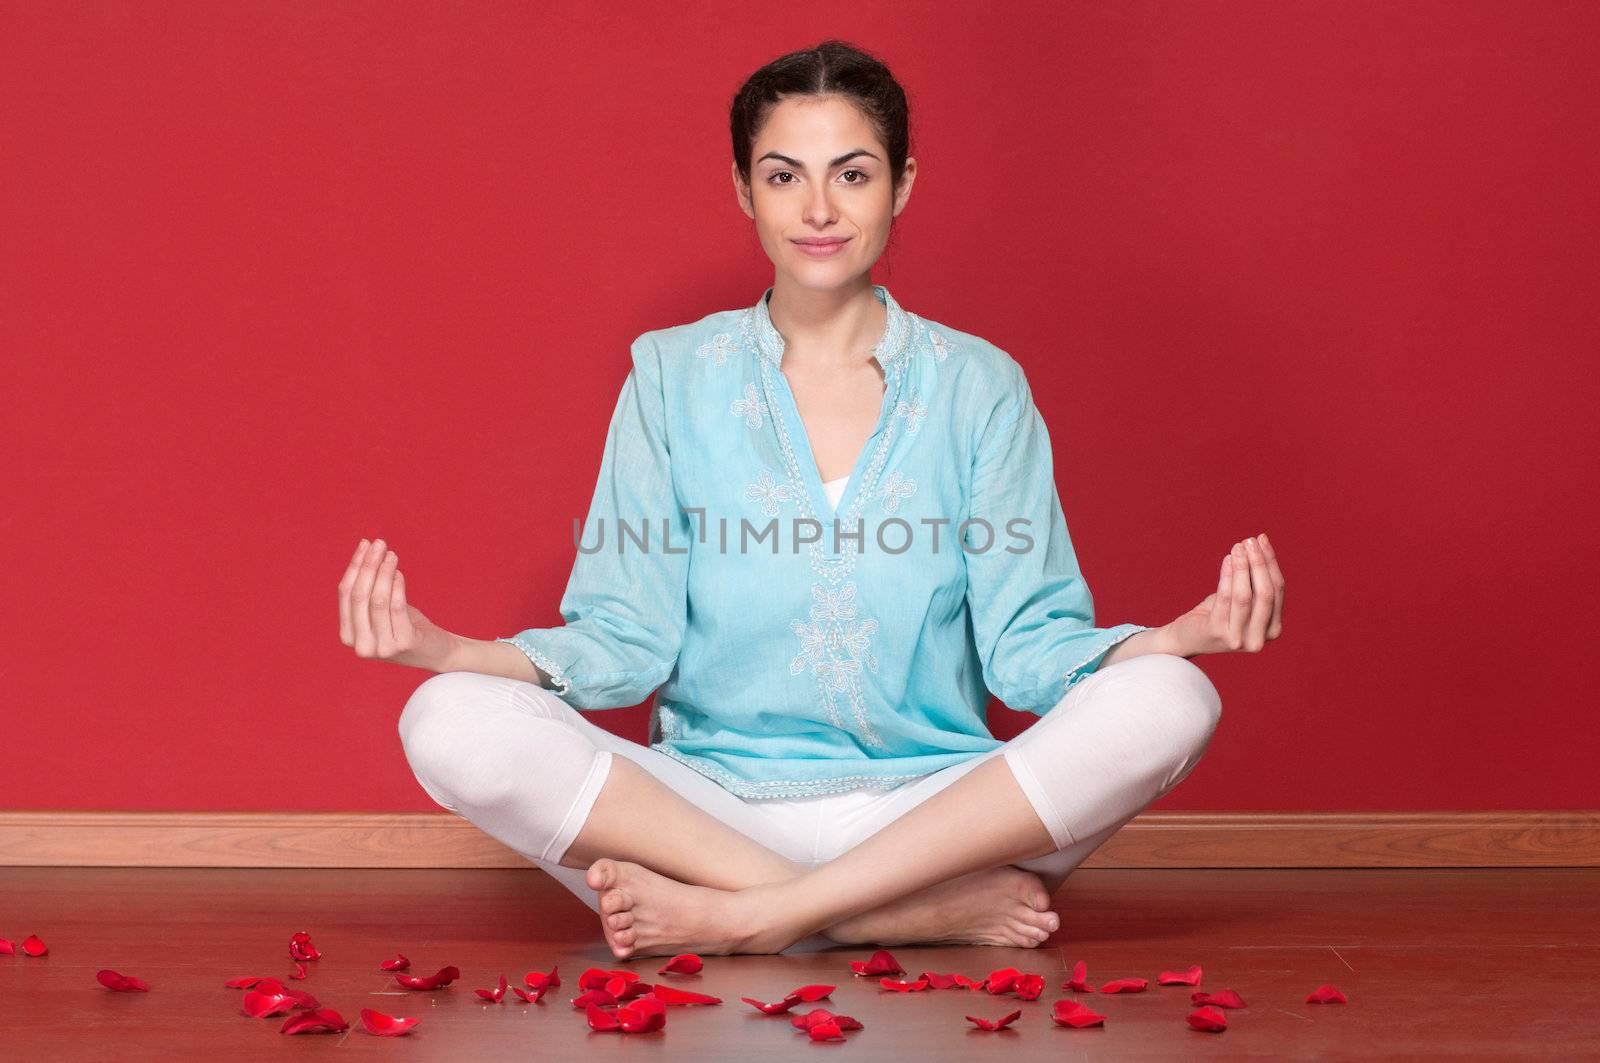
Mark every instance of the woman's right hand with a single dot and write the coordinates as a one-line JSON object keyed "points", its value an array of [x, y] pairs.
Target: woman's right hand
{"points": [[375, 620]]}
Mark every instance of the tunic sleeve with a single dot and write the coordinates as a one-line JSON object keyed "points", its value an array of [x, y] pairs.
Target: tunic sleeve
{"points": [[1032, 613], [625, 604]]}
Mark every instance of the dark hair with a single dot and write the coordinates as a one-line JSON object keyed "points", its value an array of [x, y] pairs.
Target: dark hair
{"points": [[832, 67]]}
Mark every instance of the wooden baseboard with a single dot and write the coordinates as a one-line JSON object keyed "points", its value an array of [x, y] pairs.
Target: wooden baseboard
{"points": [[1151, 840]]}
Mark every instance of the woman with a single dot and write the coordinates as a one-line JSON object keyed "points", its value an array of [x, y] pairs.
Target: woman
{"points": [[818, 769]]}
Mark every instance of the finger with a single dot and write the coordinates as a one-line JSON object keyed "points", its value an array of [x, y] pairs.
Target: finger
{"points": [[1262, 596], [361, 597], [1220, 607], [398, 617], [1275, 628], [1240, 612], [382, 626], [346, 631]]}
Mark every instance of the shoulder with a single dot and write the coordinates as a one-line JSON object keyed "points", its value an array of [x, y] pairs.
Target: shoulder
{"points": [[715, 336], [983, 380]]}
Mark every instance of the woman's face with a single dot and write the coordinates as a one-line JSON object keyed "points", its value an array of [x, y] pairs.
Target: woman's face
{"points": [[819, 171]]}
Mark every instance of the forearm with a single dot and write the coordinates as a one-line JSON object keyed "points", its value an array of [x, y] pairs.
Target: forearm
{"points": [[493, 658], [1151, 640]]}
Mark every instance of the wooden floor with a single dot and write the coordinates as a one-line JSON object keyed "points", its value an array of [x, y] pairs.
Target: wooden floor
{"points": [[1493, 964]]}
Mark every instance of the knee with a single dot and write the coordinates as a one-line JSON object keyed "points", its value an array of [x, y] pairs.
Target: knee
{"points": [[438, 732], [1187, 700]]}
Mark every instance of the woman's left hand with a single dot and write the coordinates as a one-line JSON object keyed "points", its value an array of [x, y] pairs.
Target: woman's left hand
{"points": [[1244, 613]]}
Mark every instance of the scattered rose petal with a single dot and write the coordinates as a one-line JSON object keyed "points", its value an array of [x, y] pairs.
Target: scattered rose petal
{"points": [[1189, 977], [322, 1020], [1076, 982], [1071, 1013], [821, 1015], [827, 1030], [601, 1019], [33, 946], [597, 977], [1000, 981], [1125, 985], [627, 990], [536, 979], [299, 970], [596, 997], [245, 983], [7, 948], [996, 1024], [670, 995], [903, 987], [1210, 1019], [683, 963], [969, 983], [445, 976], [497, 994], [301, 948], [1029, 986], [642, 1016], [122, 983], [301, 998], [940, 981], [805, 994], [1326, 994], [527, 997], [259, 1005], [399, 963], [881, 963], [1222, 998], [376, 1022]]}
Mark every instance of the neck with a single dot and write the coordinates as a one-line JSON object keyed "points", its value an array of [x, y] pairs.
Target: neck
{"points": [[827, 329]]}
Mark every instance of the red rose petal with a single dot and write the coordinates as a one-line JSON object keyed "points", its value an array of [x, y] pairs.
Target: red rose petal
{"points": [[527, 997], [301, 948], [963, 980], [671, 995], [1000, 981], [597, 977], [808, 993], [600, 1019], [445, 976], [1071, 1013], [644, 1015], [322, 1020], [940, 981], [259, 1005], [827, 1030], [1209, 1019], [301, 998], [1076, 983], [1029, 986], [996, 1024], [33, 946], [376, 1022], [399, 963], [770, 1009], [881, 963], [299, 970], [7, 948], [122, 983], [497, 994], [903, 987], [597, 997], [1189, 977], [242, 983], [1222, 998], [683, 963], [1326, 994], [1125, 985]]}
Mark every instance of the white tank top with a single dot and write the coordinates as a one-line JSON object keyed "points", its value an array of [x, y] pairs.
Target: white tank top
{"points": [[834, 489]]}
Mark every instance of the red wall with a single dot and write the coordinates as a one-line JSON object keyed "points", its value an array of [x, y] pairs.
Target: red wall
{"points": [[277, 276]]}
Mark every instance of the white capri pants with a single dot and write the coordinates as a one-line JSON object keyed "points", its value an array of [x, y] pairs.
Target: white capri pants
{"points": [[525, 767]]}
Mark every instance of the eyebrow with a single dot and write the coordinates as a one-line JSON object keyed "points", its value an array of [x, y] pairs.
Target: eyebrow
{"points": [[797, 164]]}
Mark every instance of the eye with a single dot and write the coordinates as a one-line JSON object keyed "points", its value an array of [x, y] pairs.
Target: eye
{"points": [[864, 177], [772, 177]]}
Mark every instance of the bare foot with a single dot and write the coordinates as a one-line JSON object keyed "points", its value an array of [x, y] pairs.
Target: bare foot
{"points": [[647, 914], [997, 906]]}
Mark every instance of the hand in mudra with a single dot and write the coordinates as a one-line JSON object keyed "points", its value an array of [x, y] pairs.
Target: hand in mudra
{"points": [[1243, 614], [374, 618]]}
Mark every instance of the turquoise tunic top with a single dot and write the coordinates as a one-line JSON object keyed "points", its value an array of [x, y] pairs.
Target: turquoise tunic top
{"points": [[798, 649]]}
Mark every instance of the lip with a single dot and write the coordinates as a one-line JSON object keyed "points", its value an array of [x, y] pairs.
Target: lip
{"points": [[821, 247]]}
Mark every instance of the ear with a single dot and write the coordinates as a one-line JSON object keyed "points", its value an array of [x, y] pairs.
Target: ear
{"points": [[908, 177], [741, 192]]}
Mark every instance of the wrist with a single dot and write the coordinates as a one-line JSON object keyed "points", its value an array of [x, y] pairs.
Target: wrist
{"points": [[1166, 641]]}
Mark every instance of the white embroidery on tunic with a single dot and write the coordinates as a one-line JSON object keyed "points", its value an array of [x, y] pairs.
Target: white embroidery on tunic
{"points": [[941, 346], [750, 407], [895, 489], [913, 411], [717, 348], [768, 493]]}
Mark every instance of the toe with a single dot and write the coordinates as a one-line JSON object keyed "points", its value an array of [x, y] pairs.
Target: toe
{"points": [[620, 920], [602, 874], [1028, 934], [613, 901]]}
